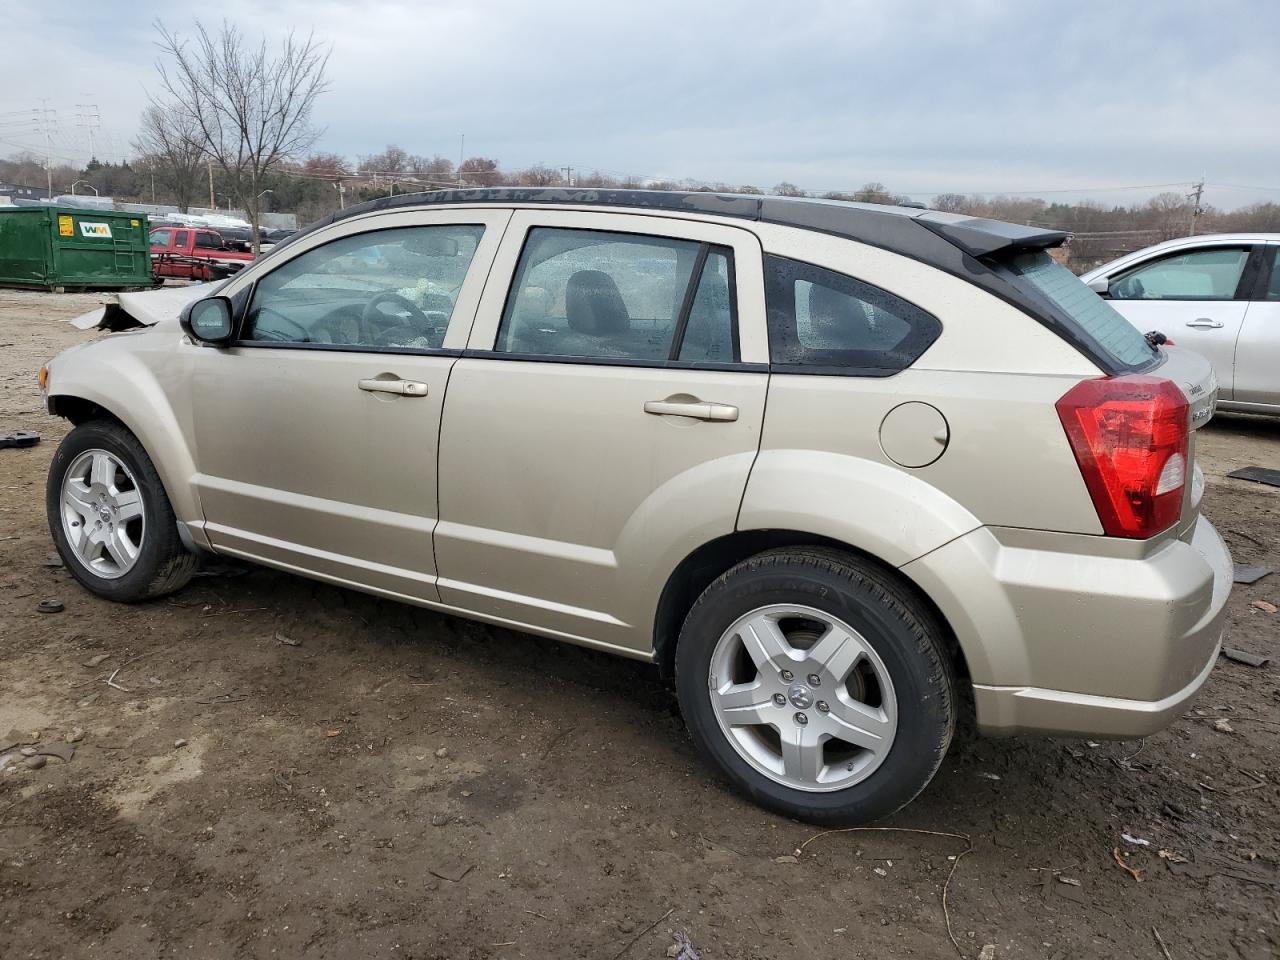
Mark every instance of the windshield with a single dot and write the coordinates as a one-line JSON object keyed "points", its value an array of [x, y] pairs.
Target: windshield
{"points": [[1112, 332]]}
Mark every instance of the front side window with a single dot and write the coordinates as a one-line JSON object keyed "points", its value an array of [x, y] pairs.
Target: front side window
{"points": [[824, 321], [384, 289], [1212, 273], [159, 238], [594, 294]]}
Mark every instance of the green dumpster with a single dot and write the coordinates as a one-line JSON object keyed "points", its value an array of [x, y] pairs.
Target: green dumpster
{"points": [[70, 247]]}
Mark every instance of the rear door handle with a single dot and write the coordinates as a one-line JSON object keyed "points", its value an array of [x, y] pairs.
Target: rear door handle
{"points": [[1204, 323], [401, 388], [697, 409]]}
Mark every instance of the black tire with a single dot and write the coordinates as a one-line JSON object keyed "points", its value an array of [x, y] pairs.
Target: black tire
{"points": [[892, 620], [163, 564]]}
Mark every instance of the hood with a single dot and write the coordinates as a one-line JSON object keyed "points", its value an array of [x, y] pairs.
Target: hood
{"points": [[120, 311]]}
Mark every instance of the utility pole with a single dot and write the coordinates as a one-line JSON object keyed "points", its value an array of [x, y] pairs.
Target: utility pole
{"points": [[1194, 196], [462, 149], [212, 202], [91, 120], [568, 176], [47, 117]]}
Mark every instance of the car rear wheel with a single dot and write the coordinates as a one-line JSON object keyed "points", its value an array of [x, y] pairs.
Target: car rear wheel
{"points": [[818, 684], [110, 518]]}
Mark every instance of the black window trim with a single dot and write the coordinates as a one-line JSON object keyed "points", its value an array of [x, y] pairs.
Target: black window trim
{"points": [[242, 314], [829, 370], [1264, 261], [705, 248], [735, 365]]}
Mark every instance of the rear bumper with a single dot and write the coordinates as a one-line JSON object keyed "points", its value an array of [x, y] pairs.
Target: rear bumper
{"points": [[1061, 640]]}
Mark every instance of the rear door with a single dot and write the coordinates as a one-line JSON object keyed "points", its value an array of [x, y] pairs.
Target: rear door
{"points": [[316, 432], [1258, 349], [1194, 297], [603, 421]]}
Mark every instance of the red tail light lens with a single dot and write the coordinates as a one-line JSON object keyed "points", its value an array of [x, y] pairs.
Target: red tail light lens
{"points": [[1129, 436]]}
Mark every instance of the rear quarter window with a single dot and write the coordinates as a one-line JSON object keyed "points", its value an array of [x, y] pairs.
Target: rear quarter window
{"points": [[821, 321]]}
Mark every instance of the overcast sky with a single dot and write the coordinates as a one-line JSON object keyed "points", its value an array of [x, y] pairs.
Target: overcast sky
{"points": [[1054, 99]]}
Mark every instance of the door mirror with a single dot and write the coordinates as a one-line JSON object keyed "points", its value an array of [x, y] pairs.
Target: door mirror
{"points": [[1101, 286], [209, 321]]}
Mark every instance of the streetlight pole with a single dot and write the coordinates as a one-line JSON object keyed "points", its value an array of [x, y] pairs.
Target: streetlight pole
{"points": [[87, 184]]}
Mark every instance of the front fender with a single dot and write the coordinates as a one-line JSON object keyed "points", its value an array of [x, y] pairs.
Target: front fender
{"points": [[141, 379]]}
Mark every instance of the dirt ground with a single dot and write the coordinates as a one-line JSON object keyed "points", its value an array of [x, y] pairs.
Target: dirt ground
{"points": [[403, 784]]}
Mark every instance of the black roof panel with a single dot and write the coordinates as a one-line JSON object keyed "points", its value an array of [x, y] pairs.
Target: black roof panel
{"points": [[906, 230]]}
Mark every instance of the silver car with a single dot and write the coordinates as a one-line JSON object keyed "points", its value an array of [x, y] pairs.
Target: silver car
{"points": [[845, 472], [1218, 295]]}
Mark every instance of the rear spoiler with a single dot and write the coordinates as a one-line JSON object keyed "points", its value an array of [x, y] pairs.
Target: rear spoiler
{"points": [[979, 237]]}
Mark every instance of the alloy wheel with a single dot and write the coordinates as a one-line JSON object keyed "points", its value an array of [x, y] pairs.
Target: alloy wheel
{"points": [[803, 697], [102, 514]]}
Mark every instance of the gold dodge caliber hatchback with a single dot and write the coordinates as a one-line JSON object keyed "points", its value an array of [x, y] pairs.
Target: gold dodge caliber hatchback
{"points": [[835, 467]]}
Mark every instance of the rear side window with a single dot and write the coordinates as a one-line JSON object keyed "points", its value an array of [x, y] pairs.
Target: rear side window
{"points": [[825, 322], [206, 240], [620, 296], [1052, 281]]}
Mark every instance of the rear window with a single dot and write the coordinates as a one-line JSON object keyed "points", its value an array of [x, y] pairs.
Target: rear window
{"points": [[1047, 278], [825, 322]]}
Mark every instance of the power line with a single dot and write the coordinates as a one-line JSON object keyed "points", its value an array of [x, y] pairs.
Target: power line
{"points": [[1238, 186]]}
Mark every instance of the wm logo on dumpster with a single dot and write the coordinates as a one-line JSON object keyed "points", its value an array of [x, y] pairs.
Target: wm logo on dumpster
{"points": [[95, 229]]}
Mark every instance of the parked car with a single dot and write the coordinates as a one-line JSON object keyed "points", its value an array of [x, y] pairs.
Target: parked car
{"points": [[1218, 295], [194, 253], [972, 482]]}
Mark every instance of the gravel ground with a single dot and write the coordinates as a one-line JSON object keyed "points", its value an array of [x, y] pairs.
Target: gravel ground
{"points": [[403, 784]]}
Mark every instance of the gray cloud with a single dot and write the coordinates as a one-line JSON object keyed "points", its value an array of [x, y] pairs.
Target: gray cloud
{"points": [[979, 96]]}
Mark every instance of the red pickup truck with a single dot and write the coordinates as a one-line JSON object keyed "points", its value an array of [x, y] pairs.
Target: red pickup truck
{"points": [[194, 253]]}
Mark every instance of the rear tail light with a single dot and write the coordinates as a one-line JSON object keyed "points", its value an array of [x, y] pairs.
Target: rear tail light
{"points": [[1129, 436]]}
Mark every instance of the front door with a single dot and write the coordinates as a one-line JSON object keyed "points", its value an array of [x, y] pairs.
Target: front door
{"points": [[315, 433], [603, 422], [1193, 297]]}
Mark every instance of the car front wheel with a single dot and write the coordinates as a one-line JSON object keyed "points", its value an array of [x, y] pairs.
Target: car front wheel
{"points": [[818, 684], [110, 518]]}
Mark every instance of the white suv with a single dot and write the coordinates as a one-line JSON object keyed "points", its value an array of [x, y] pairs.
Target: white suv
{"points": [[828, 464], [1218, 295]]}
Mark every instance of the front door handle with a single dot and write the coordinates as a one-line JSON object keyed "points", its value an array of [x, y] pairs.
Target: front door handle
{"points": [[697, 409], [1204, 323], [401, 388]]}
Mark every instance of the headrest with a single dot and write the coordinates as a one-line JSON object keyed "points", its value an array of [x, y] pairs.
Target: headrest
{"points": [[593, 305]]}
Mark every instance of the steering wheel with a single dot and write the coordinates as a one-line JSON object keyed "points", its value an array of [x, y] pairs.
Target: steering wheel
{"points": [[278, 335], [371, 315]]}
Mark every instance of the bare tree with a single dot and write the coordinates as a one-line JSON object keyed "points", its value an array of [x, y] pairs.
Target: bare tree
{"points": [[169, 136], [539, 175], [480, 172], [253, 108]]}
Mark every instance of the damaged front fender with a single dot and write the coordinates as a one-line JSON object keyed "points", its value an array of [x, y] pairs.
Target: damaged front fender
{"points": [[124, 311]]}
